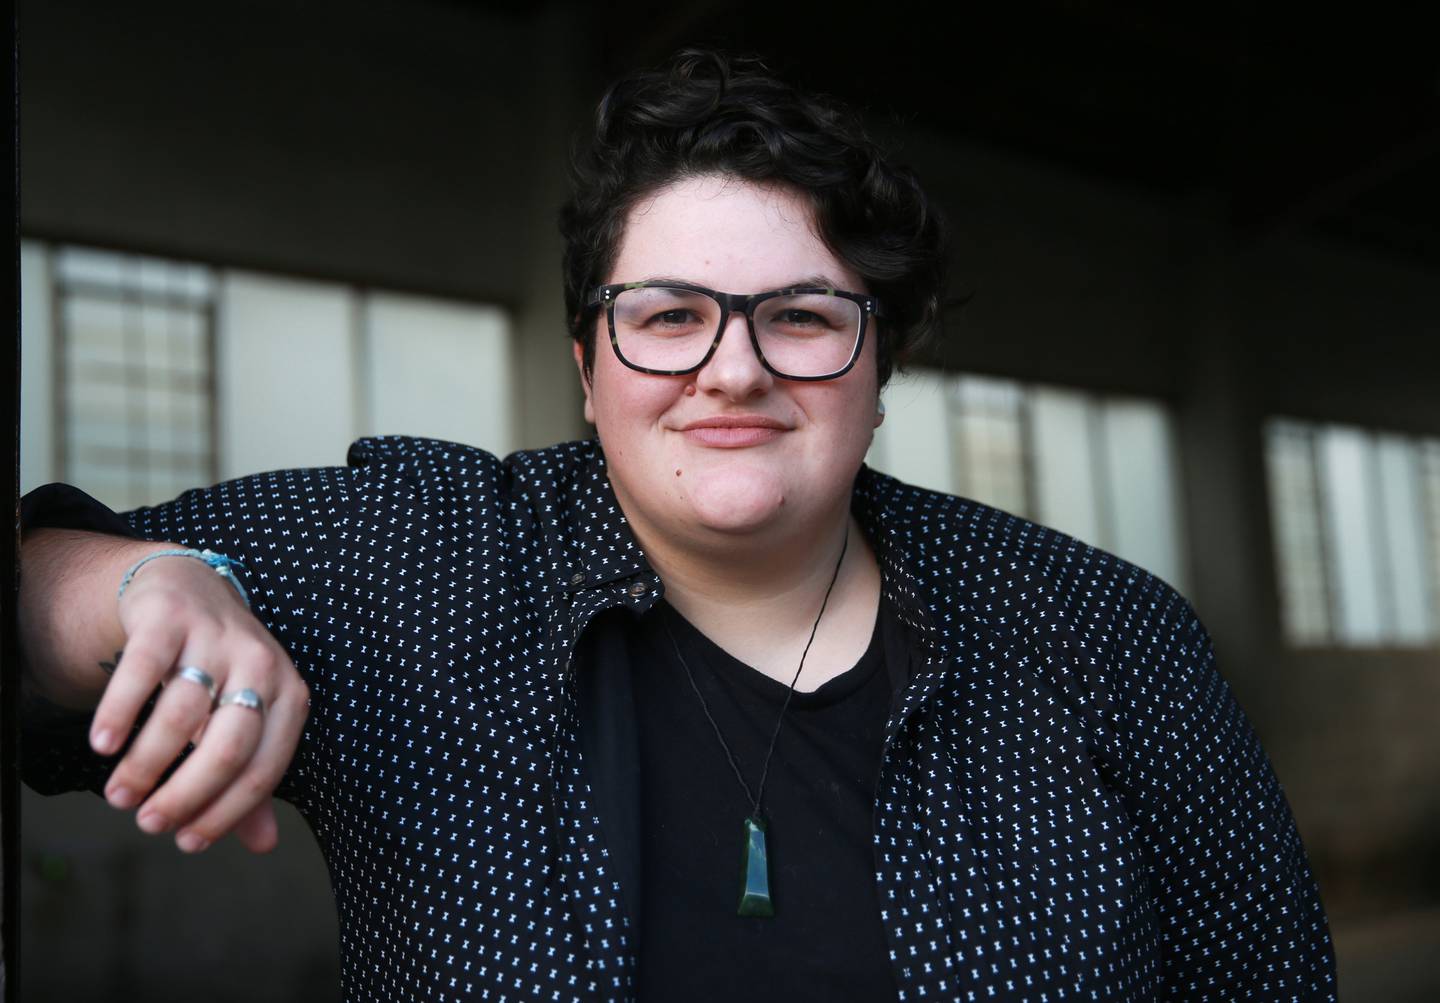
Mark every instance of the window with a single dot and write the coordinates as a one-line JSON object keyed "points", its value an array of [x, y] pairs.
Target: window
{"points": [[1099, 468], [134, 343], [1356, 523], [144, 377]]}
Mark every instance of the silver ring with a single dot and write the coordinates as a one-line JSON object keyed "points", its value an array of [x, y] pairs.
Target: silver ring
{"points": [[195, 674], [247, 698]]}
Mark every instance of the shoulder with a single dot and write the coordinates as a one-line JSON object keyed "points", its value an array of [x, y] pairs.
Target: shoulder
{"points": [[1010, 572], [1032, 610], [429, 466]]}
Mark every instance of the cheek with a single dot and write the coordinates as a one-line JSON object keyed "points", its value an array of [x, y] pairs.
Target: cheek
{"points": [[856, 430], [632, 402], [848, 407], [628, 405]]}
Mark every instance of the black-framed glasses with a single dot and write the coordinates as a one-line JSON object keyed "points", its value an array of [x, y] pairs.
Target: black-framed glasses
{"points": [[673, 328]]}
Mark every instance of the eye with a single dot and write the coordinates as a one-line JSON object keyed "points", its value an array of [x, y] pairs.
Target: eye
{"points": [[795, 317], [676, 317], [807, 316]]}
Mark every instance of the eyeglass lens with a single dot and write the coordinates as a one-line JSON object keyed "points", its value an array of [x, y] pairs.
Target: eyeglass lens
{"points": [[807, 334]]}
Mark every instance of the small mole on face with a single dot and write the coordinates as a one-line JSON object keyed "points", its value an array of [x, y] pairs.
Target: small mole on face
{"points": [[677, 471]]}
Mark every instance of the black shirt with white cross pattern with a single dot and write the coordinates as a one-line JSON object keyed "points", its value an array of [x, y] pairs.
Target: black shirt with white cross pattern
{"points": [[1069, 803]]}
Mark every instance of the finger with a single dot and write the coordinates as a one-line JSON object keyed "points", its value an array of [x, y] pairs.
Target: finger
{"points": [[283, 724], [147, 659], [258, 831], [231, 738], [180, 709]]}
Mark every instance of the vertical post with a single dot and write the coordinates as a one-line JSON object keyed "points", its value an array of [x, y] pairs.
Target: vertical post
{"points": [[10, 542]]}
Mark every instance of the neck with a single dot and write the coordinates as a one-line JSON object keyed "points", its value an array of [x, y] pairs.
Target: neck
{"points": [[758, 599], [731, 573]]}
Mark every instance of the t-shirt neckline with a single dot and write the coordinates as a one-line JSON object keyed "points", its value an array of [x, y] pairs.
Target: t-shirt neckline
{"points": [[729, 670]]}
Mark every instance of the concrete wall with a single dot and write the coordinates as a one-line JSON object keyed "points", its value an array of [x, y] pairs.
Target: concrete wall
{"points": [[412, 147]]}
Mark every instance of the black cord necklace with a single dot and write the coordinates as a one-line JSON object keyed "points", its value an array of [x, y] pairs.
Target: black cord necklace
{"points": [[755, 899]]}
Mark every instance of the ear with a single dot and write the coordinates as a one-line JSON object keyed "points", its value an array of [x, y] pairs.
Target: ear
{"points": [[579, 353]]}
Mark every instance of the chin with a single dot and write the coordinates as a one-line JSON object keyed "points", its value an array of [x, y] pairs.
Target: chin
{"points": [[736, 501]]}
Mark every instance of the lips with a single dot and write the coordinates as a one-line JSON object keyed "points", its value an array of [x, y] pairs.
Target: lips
{"points": [[733, 431]]}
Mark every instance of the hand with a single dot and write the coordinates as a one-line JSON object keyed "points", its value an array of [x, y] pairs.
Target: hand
{"points": [[177, 612]]}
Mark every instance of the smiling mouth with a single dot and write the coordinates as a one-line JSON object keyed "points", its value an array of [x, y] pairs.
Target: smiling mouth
{"points": [[733, 431]]}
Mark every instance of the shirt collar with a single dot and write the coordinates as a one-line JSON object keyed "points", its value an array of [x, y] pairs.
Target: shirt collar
{"points": [[916, 545], [601, 548], [873, 504]]}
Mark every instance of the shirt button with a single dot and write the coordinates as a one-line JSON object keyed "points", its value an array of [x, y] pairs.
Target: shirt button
{"points": [[578, 578], [638, 589]]}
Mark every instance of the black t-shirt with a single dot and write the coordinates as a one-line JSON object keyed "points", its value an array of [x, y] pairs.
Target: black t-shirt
{"points": [[825, 941]]}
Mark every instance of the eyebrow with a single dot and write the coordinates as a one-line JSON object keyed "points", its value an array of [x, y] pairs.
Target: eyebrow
{"points": [[817, 280]]}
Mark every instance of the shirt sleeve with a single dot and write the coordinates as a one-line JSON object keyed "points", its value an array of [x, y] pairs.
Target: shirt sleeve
{"points": [[1239, 908], [282, 525]]}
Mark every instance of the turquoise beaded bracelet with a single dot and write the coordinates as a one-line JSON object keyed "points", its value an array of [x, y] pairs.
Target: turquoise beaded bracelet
{"points": [[224, 567]]}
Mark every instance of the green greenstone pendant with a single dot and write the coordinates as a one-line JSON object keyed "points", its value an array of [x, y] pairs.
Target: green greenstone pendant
{"points": [[755, 878]]}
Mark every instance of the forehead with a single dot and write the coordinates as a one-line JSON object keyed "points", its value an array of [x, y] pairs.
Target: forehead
{"points": [[728, 234]]}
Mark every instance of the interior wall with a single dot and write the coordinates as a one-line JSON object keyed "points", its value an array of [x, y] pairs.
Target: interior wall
{"points": [[367, 142], [412, 147]]}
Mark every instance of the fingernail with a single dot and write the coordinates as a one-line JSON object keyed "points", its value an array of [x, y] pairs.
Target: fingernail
{"points": [[191, 842], [120, 797], [103, 741], [152, 821]]}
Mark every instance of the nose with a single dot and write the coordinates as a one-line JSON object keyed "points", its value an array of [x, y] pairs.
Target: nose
{"points": [[734, 370]]}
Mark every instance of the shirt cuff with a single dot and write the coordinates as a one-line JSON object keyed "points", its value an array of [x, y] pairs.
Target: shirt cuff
{"points": [[60, 506]]}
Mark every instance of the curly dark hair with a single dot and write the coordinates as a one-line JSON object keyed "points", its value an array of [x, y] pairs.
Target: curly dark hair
{"points": [[704, 112]]}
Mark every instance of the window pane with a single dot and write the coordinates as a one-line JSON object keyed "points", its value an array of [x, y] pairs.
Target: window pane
{"points": [[38, 432], [988, 442], [1063, 433], [1299, 544], [1138, 463], [135, 412], [286, 349], [1350, 510], [1430, 502], [913, 441], [439, 369], [76, 265], [1402, 523]]}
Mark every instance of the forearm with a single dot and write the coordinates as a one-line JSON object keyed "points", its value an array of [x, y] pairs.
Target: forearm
{"points": [[68, 620]]}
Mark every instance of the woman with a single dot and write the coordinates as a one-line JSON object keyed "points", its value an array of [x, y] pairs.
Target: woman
{"points": [[704, 706]]}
